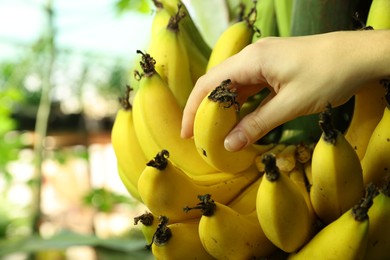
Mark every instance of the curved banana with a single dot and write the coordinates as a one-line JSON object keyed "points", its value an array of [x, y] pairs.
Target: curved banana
{"points": [[344, 238], [369, 101], [376, 161], [336, 173], [165, 189], [233, 39], [178, 241], [379, 229], [297, 175], [130, 157], [157, 117], [282, 209], [172, 62], [226, 232], [215, 117], [188, 25], [149, 225], [130, 187]]}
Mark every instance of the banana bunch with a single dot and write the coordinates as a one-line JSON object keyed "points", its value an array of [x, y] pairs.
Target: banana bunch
{"points": [[275, 199]]}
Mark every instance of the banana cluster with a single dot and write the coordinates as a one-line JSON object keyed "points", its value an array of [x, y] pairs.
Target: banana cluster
{"points": [[270, 200]]}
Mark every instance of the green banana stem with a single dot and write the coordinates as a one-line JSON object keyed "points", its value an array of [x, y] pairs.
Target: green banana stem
{"points": [[318, 16], [283, 12], [266, 20], [326, 125]]}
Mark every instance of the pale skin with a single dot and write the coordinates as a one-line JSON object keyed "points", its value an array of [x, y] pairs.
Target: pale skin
{"points": [[304, 74]]}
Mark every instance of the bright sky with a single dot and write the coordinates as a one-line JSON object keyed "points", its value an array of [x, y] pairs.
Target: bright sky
{"points": [[86, 25]]}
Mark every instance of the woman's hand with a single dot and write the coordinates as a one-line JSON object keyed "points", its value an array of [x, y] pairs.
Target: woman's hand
{"points": [[303, 73]]}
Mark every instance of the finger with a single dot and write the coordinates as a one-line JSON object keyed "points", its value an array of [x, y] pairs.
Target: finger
{"points": [[266, 117], [233, 69]]}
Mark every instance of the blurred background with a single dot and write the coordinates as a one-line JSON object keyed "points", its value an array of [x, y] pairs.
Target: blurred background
{"points": [[63, 65]]}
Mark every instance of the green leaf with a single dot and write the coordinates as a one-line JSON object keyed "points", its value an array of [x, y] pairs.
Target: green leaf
{"points": [[132, 247]]}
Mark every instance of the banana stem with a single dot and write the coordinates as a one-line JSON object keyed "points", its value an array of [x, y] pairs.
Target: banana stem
{"points": [[124, 101], [224, 94], [146, 219], [206, 205], [147, 64], [272, 172], [360, 210], [162, 234], [160, 161], [326, 125], [173, 24]]}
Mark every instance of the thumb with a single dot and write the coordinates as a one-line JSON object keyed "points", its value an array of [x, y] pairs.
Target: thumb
{"points": [[259, 122]]}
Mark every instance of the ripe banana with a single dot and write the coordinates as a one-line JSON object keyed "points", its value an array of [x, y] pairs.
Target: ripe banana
{"points": [[379, 229], [297, 175], [130, 157], [149, 226], [214, 119], [282, 209], [157, 117], [369, 101], [130, 187], [336, 173], [172, 62], [376, 161], [226, 232], [165, 189], [178, 241], [233, 39], [344, 238]]}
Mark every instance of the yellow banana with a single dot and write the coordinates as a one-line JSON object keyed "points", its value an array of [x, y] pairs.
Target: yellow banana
{"points": [[344, 238], [376, 161], [282, 209], [189, 26], [297, 175], [178, 241], [157, 117], [149, 226], [336, 173], [172, 62], [165, 189], [197, 50], [308, 175], [215, 117], [130, 187], [226, 232], [369, 101], [233, 40], [379, 229], [130, 157]]}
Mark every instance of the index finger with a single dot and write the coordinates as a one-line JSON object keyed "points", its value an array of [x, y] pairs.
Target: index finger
{"points": [[241, 69]]}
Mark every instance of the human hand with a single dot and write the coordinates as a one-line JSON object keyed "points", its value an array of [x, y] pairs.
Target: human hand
{"points": [[304, 74]]}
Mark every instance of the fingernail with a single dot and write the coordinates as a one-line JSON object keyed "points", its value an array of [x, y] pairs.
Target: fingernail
{"points": [[235, 141]]}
